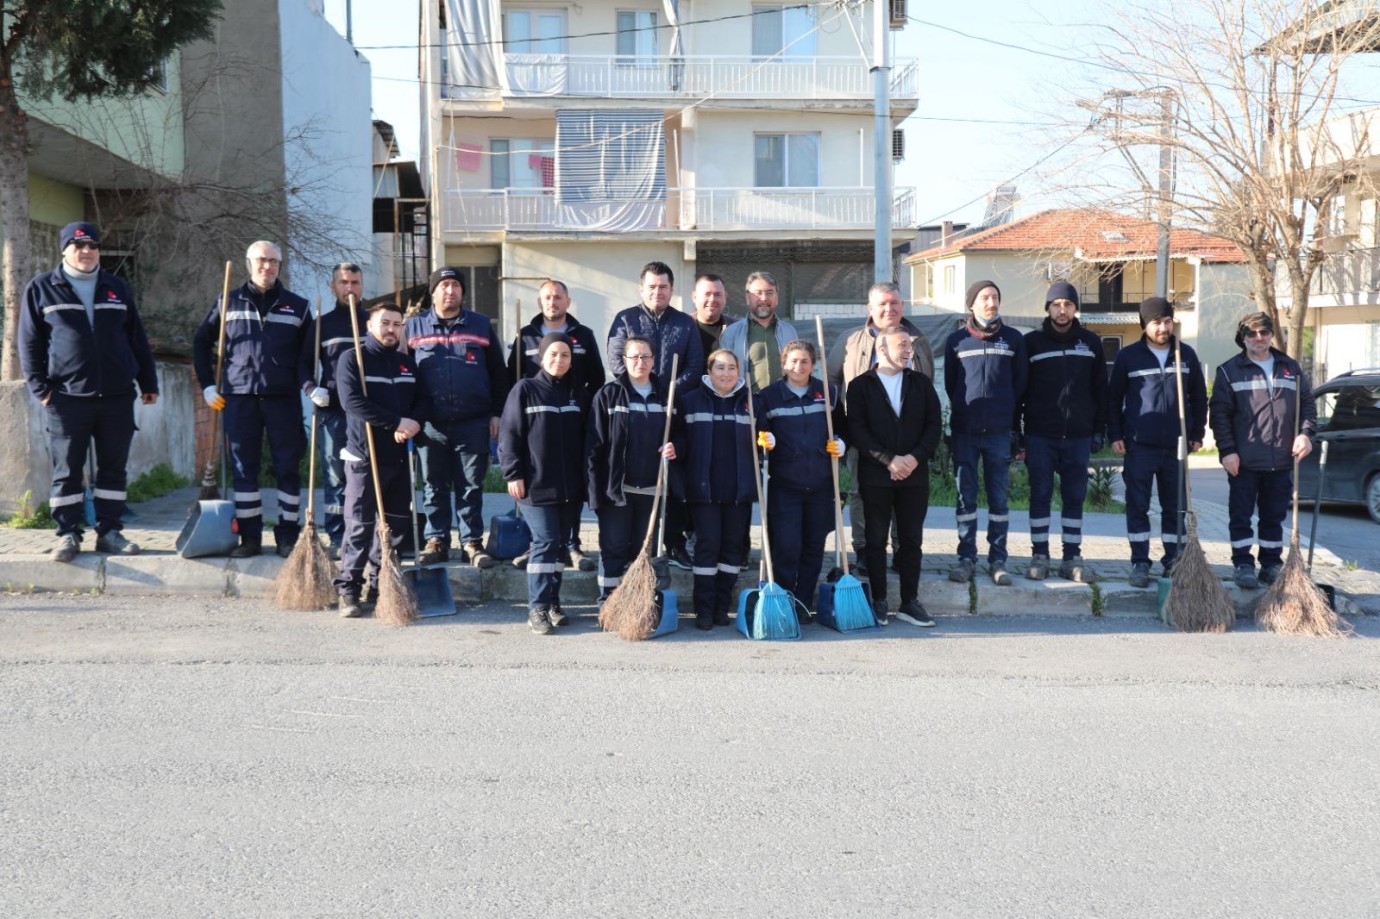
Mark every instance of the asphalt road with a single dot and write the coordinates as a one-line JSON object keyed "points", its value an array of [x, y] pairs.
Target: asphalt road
{"points": [[217, 758]]}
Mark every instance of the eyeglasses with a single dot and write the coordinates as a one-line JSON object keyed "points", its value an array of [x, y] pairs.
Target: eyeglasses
{"points": [[723, 367], [1256, 333], [629, 358], [259, 260], [83, 246]]}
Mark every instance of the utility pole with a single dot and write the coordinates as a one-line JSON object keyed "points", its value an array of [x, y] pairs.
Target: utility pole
{"points": [[881, 121], [1166, 194]]}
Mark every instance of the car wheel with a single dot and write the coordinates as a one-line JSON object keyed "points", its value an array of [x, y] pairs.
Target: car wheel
{"points": [[1373, 497]]}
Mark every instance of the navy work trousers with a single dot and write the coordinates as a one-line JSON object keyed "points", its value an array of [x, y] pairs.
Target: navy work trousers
{"points": [[74, 423], [455, 459], [621, 532], [1068, 458], [1148, 467], [361, 529], [1270, 493], [247, 420]]}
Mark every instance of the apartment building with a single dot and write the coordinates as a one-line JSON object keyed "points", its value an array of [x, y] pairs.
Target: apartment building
{"points": [[580, 141]]}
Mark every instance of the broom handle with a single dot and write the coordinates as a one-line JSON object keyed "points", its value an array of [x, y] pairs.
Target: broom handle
{"points": [[208, 475], [839, 555], [1317, 501], [757, 480], [1185, 524], [658, 502], [381, 523], [1298, 412], [311, 462]]}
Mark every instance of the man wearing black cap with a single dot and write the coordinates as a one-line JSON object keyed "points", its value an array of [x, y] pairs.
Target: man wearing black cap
{"points": [[1064, 417], [1255, 399], [1143, 423], [265, 324], [461, 362], [83, 350], [985, 376]]}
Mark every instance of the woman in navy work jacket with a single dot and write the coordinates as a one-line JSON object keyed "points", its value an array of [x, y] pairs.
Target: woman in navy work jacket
{"points": [[541, 436], [713, 437], [800, 501]]}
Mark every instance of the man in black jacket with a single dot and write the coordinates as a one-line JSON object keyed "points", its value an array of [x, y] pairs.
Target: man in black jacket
{"points": [[1064, 414], [894, 421], [1255, 399]]}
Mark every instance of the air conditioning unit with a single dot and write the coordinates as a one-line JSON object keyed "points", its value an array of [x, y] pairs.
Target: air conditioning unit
{"points": [[898, 145], [898, 14]]}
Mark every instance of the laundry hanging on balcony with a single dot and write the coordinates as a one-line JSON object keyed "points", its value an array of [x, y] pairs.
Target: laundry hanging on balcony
{"points": [[474, 56], [610, 169]]}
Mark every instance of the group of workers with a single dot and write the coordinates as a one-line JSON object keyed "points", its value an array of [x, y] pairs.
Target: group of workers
{"points": [[565, 437]]}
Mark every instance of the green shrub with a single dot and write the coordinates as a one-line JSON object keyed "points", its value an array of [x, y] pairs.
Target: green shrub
{"points": [[157, 482], [27, 517]]}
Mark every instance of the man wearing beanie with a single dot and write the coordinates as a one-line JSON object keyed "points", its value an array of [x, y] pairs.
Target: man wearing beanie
{"points": [[265, 325], [1064, 419], [1255, 399], [461, 363], [1143, 423], [83, 350], [985, 376]]}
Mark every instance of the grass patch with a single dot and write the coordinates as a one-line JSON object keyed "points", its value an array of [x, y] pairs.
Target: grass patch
{"points": [[157, 482], [28, 517]]}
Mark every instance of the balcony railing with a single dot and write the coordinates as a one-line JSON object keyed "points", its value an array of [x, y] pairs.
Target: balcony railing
{"points": [[713, 77], [706, 209], [1354, 272]]}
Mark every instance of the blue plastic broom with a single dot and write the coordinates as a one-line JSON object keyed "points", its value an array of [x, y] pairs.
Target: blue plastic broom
{"points": [[773, 616]]}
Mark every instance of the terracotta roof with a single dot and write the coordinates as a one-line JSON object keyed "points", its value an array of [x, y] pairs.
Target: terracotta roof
{"points": [[1097, 235]]}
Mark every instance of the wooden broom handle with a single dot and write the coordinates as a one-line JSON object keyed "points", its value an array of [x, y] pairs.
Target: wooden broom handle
{"points": [[368, 428], [220, 339]]}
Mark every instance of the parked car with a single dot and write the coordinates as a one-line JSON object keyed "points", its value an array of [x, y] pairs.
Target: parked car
{"points": [[1349, 417]]}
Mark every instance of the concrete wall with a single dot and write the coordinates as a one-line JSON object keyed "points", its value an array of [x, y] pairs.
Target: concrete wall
{"points": [[1347, 338], [166, 435]]}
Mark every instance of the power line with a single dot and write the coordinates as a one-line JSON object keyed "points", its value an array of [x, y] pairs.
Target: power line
{"points": [[1041, 161]]}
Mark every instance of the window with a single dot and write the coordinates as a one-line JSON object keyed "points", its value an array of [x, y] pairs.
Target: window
{"points": [[522, 163], [783, 31], [786, 160], [534, 31], [636, 35], [1350, 408], [1111, 344], [950, 278]]}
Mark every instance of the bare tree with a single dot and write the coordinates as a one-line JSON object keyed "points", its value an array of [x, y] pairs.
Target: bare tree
{"points": [[1250, 97]]}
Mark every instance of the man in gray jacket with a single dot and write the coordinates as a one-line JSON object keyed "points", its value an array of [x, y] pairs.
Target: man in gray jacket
{"points": [[759, 339]]}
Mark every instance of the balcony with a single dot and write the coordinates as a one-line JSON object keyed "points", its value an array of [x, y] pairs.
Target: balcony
{"points": [[700, 209], [693, 77], [1352, 276]]}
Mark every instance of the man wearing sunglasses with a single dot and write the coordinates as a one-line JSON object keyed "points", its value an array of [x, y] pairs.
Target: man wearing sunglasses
{"points": [[83, 350], [1254, 400]]}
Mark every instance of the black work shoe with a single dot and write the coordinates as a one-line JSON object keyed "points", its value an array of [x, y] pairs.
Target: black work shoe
{"points": [[579, 561], [67, 548], [247, 550], [537, 619], [680, 558], [557, 616], [704, 621], [1244, 576], [114, 543], [1270, 574], [915, 614], [879, 611], [349, 607], [284, 551], [437, 550], [1140, 575], [721, 617]]}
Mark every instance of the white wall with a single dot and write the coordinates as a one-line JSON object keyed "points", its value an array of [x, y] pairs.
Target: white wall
{"points": [[724, 150], [326, 103]]}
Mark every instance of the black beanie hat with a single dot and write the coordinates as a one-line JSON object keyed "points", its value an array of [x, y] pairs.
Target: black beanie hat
{"points": [[976, 288], [446, 274], [551, 338], [1155, 308], [1256, 320], [1061, 290]]}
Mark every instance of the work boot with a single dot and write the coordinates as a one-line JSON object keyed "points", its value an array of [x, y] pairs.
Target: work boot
{"points": [[1000, 576], [474, 551], [1039, 568], [704, 621], [680, 558], [1140, 575], [1244, 576], [1073, 569], [721, 617], [67, 548], [557, 615], [576, 559], [247, 549], [1270, 573], [962, 573], [540, 624], [114, 543], [437, 550], [349, 607], [284, 551]]}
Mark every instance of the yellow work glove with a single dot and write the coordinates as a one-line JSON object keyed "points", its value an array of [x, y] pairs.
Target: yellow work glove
{"points": [[834, 448], [767, 441]]}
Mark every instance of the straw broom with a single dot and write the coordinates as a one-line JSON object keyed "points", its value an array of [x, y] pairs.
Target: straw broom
{"points": [[396, 604], [631, 610], [1197, 600], [209, 491], [304, 581], [1293, 605]]}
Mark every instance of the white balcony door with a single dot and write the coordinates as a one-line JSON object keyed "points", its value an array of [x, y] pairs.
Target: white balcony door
{"points": [[783, 32], [534, 31]]}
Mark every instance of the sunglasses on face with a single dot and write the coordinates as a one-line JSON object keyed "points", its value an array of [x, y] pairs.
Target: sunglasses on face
{"points": [[1257, 333], [83, 246]]}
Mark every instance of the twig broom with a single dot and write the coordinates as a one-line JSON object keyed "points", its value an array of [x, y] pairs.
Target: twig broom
{"points": [[1293, 605], [209, 491], [396, 604], [631, 610], [1197, 600], [304, 581]]}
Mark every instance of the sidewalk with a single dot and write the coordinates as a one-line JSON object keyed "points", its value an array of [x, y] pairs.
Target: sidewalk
{"points": [[24, 565]]}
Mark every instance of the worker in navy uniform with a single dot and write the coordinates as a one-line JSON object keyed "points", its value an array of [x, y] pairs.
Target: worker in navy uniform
{"points": [[83, 351], [337, 338], [541, 438], [623, 449], [712, 436], [1143, 424], [800, 503], [1064, 416], [461, 360], [1254, 402], [264, 328], [586, 373], [395, 405]]}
